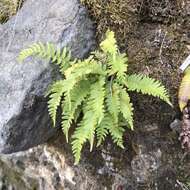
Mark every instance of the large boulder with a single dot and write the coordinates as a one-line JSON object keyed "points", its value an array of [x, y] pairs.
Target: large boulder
{"points": [[24, 120]]}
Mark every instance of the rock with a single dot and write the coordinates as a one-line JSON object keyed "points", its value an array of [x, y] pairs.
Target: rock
{"points": [[145, 165], [43, 168], [176, 125], [50, 166], [24, 121]]}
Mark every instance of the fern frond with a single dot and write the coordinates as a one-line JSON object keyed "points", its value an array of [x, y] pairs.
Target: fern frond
{"points": [[95, 103], [78, 94], [93, 114], [102, 129], [63, 59], [147, 85], [49, 52], [82, 68], [37, 49], [82, 133], [109, 44], [112, 101], [96, 88], [118, 65], [80, 71], [116, 131], [126, 107], [55, 94], [113, 108]]}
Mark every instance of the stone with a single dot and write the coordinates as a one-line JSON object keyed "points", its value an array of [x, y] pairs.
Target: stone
{"points": [[50, 166], [24, 120], [43, 168]]}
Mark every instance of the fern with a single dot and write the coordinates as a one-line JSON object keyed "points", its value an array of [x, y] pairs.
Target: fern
{"points": [[147, 85], [95, 105], [102, 128], [95, 89], [55, 93], [48, 52], [126, 107], [112, 102], [78, 95], [109, 44]]}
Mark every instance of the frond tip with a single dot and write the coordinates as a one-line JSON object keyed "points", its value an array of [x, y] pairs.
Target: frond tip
{"points": [[109, 44]]}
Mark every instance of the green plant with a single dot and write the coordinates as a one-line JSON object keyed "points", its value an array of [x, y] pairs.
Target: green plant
{"points": [[96, 89]]}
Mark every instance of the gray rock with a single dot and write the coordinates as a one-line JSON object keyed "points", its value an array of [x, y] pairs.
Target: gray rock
{"points": [[43, 168], [24, 120]]}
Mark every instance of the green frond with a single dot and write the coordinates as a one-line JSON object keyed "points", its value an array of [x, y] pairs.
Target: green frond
{"points": [[109, 44], [80, 71], [49, 52], [55, 94], [82, 68], [77, 96], [126, 107], [147, 85], [77, 113], [102, 129], [118, 65], [113, 108], [93, 114], [116, 131], [82, 133], [63, 59], [112, 101], [101, 57], [37, 49], [95, 103]]}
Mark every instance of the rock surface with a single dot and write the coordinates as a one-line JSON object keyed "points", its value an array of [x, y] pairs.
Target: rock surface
{"points": [[153, 163], [24, 120], [42, 168]]}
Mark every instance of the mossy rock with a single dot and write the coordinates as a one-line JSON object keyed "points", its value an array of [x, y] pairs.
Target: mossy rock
{"points": [[8, 8]]}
